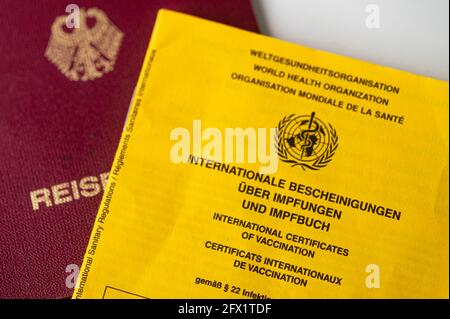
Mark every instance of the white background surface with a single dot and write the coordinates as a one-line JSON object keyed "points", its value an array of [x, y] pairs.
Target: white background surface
{"points": [[413, 34]]}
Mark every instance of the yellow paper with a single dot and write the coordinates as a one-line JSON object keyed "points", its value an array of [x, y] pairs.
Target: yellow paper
{"points": [[357, 206]]}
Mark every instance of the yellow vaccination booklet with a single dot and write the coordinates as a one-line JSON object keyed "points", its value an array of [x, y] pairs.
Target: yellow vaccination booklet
{"points": [[254, 168]]}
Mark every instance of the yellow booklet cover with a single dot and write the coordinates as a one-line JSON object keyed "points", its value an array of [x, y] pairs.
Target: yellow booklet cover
{"points": [[254, 168]]}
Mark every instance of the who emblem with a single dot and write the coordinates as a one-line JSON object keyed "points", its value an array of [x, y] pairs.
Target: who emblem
{"points": [[306, 141]]}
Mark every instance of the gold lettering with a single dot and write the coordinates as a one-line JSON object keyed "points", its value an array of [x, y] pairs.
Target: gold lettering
{"points": [[104, 179], [76, 193], [40, 196], [89, 186], [61, 193]]}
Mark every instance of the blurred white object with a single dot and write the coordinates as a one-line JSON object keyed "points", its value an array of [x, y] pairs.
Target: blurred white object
{"points": [[413, 35]]}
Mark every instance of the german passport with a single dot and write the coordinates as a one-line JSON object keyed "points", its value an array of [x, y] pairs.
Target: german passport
{"points": [[67, 77]]}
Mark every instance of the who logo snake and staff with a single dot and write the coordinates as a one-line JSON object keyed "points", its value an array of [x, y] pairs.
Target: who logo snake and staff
{"points": [[306, 141]]}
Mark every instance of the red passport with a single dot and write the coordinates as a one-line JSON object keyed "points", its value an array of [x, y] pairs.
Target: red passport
{"points": [[66, 81]]}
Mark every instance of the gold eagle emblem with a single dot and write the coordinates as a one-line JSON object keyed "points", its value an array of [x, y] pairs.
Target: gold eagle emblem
{"points": [[88, 52]]}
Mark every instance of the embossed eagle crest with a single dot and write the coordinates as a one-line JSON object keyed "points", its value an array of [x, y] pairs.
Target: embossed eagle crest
{"points": [[88, 52]]}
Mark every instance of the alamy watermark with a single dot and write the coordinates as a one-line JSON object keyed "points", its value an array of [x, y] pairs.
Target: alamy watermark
{"points": [[71, 280], [373, 17], [73, 17], [230, 145], [373, 278]]}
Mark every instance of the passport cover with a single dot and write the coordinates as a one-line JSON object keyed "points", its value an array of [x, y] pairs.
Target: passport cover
{"points": [[346, 197], [64, 96]]}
